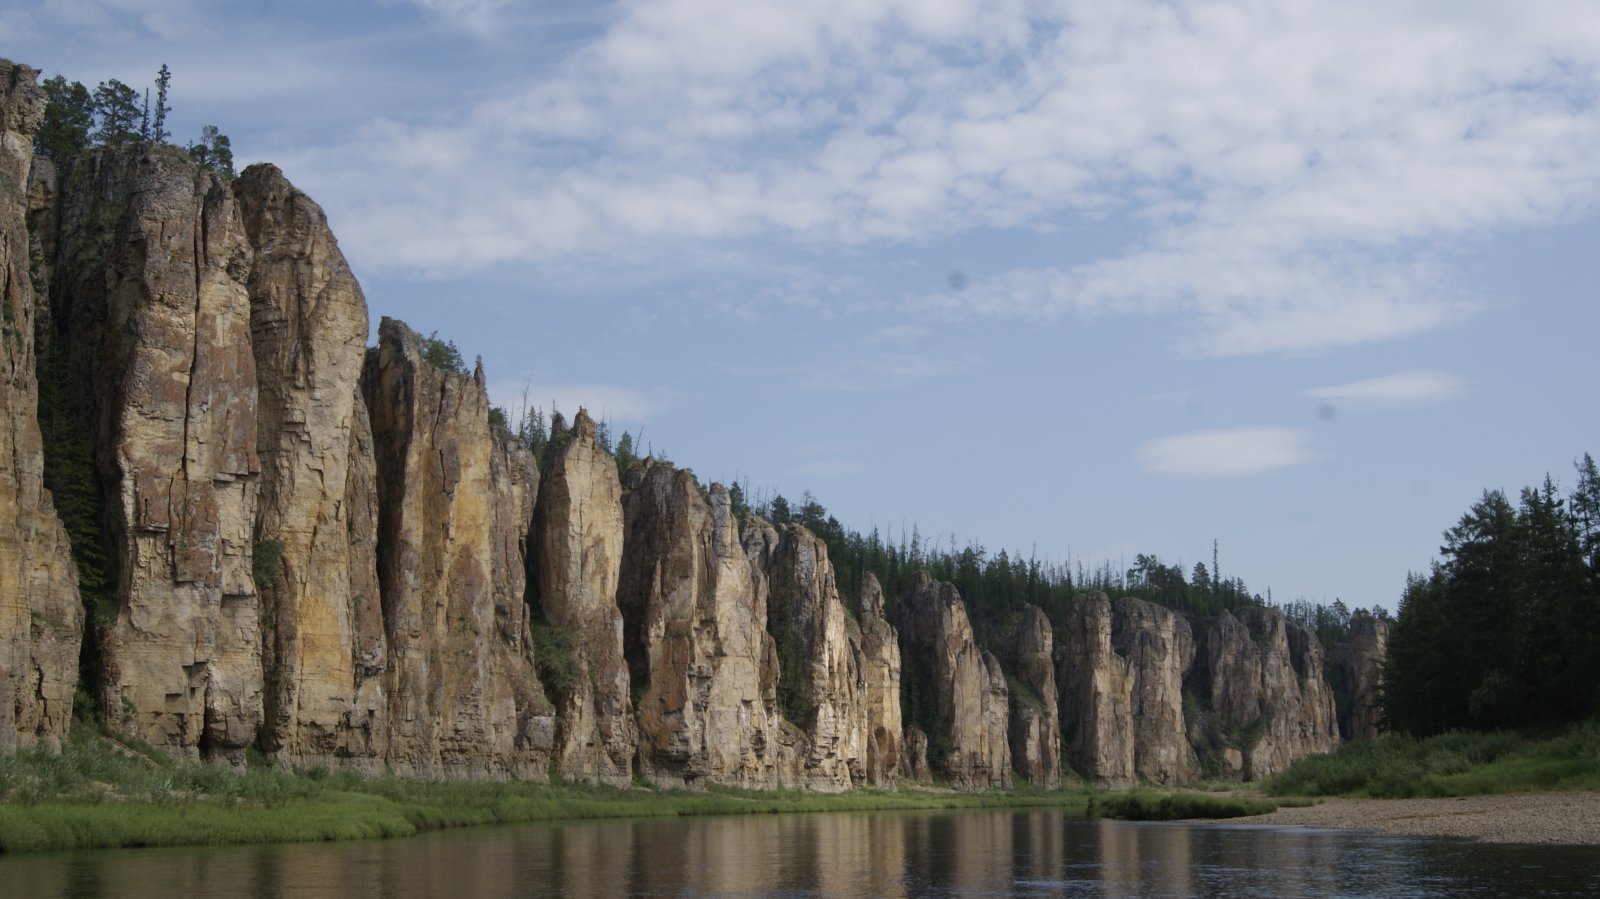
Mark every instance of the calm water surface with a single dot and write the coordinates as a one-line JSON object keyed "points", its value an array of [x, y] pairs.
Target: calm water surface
{"points": [[973, 853]]}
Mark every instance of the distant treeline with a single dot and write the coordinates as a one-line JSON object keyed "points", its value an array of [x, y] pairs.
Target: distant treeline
{"points": [[1502, 632]]}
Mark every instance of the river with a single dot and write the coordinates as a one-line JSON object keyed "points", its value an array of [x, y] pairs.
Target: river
{"points": [[966, 853]]}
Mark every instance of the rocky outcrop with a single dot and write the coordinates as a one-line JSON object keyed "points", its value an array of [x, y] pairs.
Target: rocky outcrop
{"points": [[1096, 720], [455, 503], [41, 618], [1122, 708], [1267, 691], [695, 637], [325, 648], [880, 670], [577, 563], [964, 687], [821, 688], [1035, 729], [1159, 648], [915, 756], [161, 331], [1358, 664]]}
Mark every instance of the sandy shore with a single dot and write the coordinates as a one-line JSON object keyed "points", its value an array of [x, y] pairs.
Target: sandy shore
{"points": [[1553, 818]]}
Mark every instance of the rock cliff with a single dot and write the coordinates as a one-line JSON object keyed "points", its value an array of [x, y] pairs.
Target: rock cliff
{"points": [[696, 639], [325, 648], [880, 654], [1035, 712], [577, 563], [1123, 716], [152, 261], [964, 687], [454, 506], [330, 553], [1359, 666], [821, 685], [41, 618], [1267, 690]]}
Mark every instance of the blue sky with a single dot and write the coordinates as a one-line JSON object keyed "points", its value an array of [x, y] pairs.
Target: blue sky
{"points": [[1067, 278]]}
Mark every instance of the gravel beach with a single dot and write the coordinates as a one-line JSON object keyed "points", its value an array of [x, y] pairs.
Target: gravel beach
{"points": [[1550, 818]]}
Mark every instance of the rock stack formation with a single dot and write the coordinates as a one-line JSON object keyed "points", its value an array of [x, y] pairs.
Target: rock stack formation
{"points": [[880, 668], [317, 511], [1359, 667], [1267, 690], [464, 698], [696, 637], [966, 689], [578, 560], [822, 689], [1035, 717], [41, 618]]}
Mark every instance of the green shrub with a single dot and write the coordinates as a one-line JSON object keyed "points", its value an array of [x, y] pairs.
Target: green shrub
{"points": [[1176, 806]]}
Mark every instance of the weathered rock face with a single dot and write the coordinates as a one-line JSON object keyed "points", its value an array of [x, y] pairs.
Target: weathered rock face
{"points": [[916, 756], [164, 343], [41, 618], [454, 509], [1267, 690], [1096, 721], [1122, 707], [880, 654], [1359, 664], [819, 652], [1035, 711], [966, 688], [1159, 647], [696, 638], [325, 648], [577, 563]]}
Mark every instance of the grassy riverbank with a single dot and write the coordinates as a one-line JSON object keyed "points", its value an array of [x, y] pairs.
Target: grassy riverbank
{"points": [[1395, 766], [99, 793]]}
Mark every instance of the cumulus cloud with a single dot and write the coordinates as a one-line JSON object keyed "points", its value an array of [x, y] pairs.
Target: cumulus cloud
{"points": [[1401, 388], [1235, 452], [1295, 171]]}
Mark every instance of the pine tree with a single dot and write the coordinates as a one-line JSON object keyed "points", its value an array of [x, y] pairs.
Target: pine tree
{"points": [[159, 132], [68, 116], [116, 107]]}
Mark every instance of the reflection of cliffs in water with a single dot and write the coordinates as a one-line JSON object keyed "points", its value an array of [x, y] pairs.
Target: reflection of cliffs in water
{"points": [[290, 542], [894, 854]]}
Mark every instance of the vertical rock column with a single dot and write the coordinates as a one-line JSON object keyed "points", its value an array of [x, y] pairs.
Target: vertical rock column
{"points": [[1360, 666], [880, 653], [1268, 690], [1096, 723], [176, 385], [325, 648], [1035, 712], [577, 560], [698, 646], [1158, 648], [41, 618], [965, 686], [453, 500], [820, 661]]}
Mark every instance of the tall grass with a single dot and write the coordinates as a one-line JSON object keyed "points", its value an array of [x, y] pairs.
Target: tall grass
{"points": [[1459, 763], [100, 793]]}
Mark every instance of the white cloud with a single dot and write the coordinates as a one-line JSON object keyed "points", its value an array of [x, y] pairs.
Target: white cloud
{"points": [[1226, 453], [1300, 171], [1402, 388]]}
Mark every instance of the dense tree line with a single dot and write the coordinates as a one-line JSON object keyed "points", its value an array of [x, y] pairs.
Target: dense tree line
{"points": [[1501, 632], [114, 115]]}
